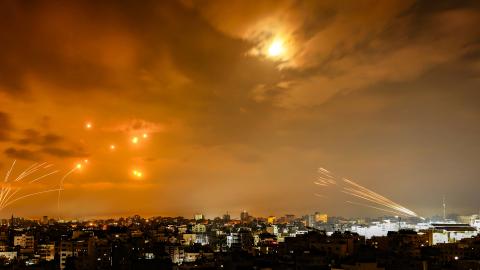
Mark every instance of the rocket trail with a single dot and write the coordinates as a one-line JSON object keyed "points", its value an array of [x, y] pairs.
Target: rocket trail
{"points": [[10, 189], [349, 187], [61, 185], [377, 208], [9, 171], [28, 195], [43, 176]]}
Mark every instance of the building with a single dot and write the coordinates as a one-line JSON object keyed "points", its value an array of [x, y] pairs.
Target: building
{"points": [[450, 232], [177, 253], [199, 228], [199, 217], [46, 252], [68, 249], [24, 241], [244, 217], [9, 255]]}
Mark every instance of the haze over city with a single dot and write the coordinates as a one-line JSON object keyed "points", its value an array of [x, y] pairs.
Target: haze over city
{"points": [[172, 108]]}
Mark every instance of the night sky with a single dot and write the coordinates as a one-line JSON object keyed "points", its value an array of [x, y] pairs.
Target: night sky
{"points": [[179, 107]]}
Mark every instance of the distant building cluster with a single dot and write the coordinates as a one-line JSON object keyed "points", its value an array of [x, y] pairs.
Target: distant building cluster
{"points": [[314, 241]]}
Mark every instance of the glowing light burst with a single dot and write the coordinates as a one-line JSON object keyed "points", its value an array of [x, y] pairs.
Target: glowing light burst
{"points": [[135, 140], [276, 48], [113, 147], [137, 173], [349, 187], [88, 125], [145, 135]]}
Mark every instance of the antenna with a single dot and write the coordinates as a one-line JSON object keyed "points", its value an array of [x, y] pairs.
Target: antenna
{"points": [[444, 208]]}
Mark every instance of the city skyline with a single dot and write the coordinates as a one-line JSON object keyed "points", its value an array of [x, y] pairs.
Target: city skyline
{"points": [[179, 107]]}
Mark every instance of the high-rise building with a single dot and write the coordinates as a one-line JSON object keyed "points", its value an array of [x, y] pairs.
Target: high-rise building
{"points": [[199, 228], [244, 216], [24, 241], [46, 252], [226, 217]]}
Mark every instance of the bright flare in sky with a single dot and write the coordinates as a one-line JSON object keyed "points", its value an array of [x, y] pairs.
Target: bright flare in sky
{"points": [[88, 125], [276, 48], [145, 135], [79, 166], [135, 140], [137, 173], [112, 147]]}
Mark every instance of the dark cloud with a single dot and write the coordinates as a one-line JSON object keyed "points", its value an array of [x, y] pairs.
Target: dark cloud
{"points": [[31, 136], [22, 153], [6, 126]]}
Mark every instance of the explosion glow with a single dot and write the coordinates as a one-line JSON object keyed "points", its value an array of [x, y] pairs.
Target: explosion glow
{"points": [[276, 48], [135, 140], [137, 173]]}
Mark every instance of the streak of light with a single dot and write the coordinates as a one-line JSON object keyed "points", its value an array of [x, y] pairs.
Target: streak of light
{"points": [[320, 184], [10, 171], [377, 208], [29, 195], [380, 198], [43, 176], [356, 190], [61, 183]]}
